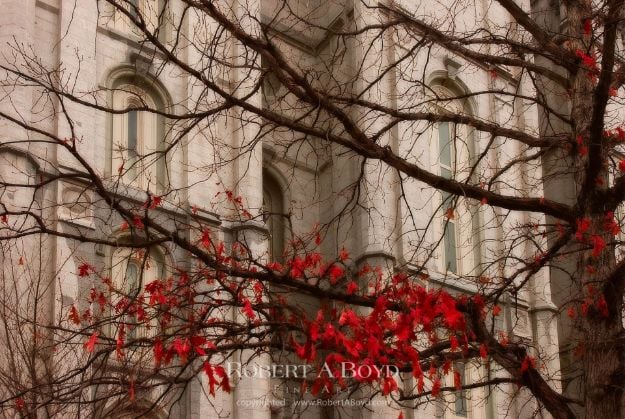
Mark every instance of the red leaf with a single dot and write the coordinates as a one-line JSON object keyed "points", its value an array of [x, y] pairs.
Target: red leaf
{"points": [[584, 308], [74, 316], [158, 352], [225, 382], [352, 287], [138, 223], [528, 362], [313, 331], [449, 214], [85, 269], [436, 387], [571, 312], [247, 310], [588, 61], [587, 26], [274, 266], [483, 351], [484, 201], [152, 202], [343, 255], [212, 381], [453, 343], [348, 317], [496, 310], [389, 386], [420, 384], [583, 224], [19, 403], [598, 245], [90, 344], [182, 348], [119, 343], [335, 272], [206, 239], [457, 380], [503, 339]]}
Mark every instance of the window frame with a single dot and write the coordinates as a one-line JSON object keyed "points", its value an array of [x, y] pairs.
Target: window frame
{"points": [[273, 216], [462, 152], [121, 258], [145, 169]]}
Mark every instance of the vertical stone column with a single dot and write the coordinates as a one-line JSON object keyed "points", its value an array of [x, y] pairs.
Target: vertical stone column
{"points": [[378, 216], [372, 56], [252, 391], [559, 185], [251, 394]]}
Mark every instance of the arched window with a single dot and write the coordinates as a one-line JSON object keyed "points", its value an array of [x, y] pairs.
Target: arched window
{"points": [[471, 403], [273, 206], [131, 270], [454, 160], [461, 405], [137, 138], [446, 164]]}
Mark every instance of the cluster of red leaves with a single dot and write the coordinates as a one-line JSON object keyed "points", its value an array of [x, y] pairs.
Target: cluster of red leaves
{"points": [[593, 301], [91, 342], [616, 135], [74, 316], [237, 202], [85, 269], [527, 363], [219, 371], [311, 265], [585, 234], [582, 149], [404, 316], [152, 202], [386, 336], [137, 223], [589, 62]]}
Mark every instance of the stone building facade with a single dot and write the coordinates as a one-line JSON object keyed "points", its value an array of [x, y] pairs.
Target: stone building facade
{"points": [[96, 50]]}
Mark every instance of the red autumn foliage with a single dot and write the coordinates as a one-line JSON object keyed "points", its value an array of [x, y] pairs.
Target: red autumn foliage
{"points": [[91, 342], [598, 244], [436, 387], [248, 310], [457, 380], [528, 362], [74, 316], [85, 269], [583, 224]]}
